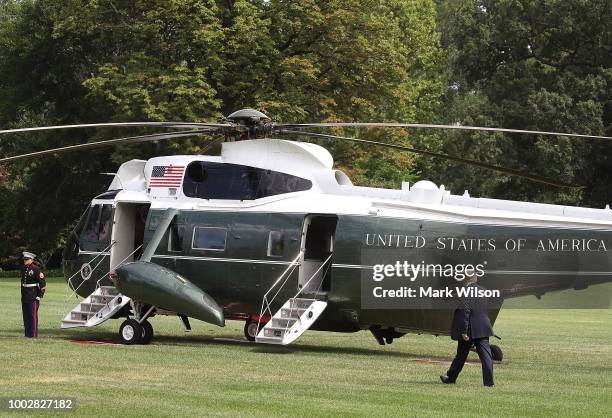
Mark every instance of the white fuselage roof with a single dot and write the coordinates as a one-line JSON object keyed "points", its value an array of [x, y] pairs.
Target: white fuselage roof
{"points": [[333, 192]]}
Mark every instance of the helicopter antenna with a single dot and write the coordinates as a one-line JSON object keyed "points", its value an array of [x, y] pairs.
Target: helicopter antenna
{"points": [[505, 170]]}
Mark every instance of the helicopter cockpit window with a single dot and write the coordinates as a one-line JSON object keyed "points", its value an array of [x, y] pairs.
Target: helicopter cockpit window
{"points": [[96, 235], [208, 180], [206, 238]]}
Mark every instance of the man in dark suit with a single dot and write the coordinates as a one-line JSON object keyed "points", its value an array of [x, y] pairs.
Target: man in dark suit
{"points": [[471, 324]]}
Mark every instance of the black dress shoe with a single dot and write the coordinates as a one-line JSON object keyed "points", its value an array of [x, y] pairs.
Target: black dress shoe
{"points": [[446, 380]]}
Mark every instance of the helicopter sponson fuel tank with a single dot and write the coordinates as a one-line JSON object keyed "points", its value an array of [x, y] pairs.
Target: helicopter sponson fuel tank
{"points": [[155, 285]]}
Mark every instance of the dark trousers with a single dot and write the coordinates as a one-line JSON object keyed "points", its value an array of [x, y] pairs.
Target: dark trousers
{"points": [[484, 353], [30, 318]]}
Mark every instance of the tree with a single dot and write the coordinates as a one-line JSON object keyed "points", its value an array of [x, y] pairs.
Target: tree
{"points": [[527, 64], [97, 61]]}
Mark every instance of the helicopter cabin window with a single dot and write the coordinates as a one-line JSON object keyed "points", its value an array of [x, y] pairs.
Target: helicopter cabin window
{"points": [[276, 244], [175, 236], [96, 235], [208, 180], [207, 238]]}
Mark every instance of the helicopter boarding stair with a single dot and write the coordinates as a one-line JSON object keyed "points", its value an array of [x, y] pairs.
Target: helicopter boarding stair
{"points": [[297, 314], [104, 302], [101, 305]]}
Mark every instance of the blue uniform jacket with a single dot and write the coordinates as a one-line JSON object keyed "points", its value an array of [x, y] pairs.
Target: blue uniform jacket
{"points": [[32, 283], [471, 318]]}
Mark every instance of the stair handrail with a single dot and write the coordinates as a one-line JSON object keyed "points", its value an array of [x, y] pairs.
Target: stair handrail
{"points": [[109, 272], [101, 278], [299, 318], [103, 254], [292, 307], [265, 302], [120, 264]]}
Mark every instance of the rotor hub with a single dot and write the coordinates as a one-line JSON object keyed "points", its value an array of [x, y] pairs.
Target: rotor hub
{"points": [[256, 122], [248, 117]]}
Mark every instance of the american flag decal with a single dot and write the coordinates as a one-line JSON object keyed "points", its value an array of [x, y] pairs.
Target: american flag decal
{"points": [[166, 176]]}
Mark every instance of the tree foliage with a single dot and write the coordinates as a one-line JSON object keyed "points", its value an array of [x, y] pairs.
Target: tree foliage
{"points": [[527, 64], [123, 60]]}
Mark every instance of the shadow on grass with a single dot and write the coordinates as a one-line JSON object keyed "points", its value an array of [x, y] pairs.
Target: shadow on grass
{"points": [[232, 341]]}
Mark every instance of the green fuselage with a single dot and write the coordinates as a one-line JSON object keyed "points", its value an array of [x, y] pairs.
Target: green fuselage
{"points": [[238, 276]]}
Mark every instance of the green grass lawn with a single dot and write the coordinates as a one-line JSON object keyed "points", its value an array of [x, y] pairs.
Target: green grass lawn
{"points": [[557, 363]]}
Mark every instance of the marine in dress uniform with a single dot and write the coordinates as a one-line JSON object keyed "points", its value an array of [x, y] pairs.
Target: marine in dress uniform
{"points": [[32, 290], [471, 325]]}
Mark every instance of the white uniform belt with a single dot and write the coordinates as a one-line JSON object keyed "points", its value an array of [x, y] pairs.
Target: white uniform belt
{"points": [[30, 285]]}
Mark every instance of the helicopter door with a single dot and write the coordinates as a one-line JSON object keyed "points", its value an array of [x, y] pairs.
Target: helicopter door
{"points": [[317, 244], [128, 232]]}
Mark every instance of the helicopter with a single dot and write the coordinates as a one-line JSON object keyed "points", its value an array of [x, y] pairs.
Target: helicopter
{"points": [[270, 233]]}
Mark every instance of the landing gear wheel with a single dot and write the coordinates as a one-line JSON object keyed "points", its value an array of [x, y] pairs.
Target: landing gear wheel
{"points": [[130, 332], [496, 353], [147, 332], [251, 329]]}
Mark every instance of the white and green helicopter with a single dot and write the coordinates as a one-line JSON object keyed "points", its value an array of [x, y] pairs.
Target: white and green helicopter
{"points": [[270, 233]]}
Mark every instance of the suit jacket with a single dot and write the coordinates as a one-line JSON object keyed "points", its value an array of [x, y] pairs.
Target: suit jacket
{"points": [[471, 318]]}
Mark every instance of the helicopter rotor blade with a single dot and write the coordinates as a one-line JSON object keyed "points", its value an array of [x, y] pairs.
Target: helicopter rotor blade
{"points": [[109, 142], [433, 154], [171, 125], [430, 126]]}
